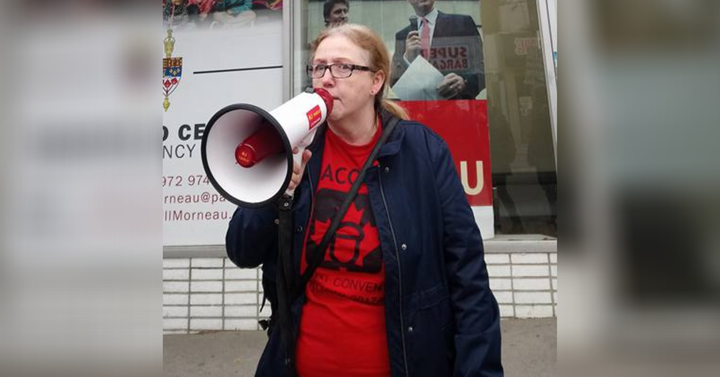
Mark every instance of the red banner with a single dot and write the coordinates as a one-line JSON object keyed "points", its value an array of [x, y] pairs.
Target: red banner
{"points": [[463, 124]]}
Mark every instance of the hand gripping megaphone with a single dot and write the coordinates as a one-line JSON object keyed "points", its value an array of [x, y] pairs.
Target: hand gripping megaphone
{"points": [[247, 152]]}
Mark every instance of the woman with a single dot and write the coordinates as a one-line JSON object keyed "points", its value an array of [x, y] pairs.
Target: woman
{"points": [[403, 288]]}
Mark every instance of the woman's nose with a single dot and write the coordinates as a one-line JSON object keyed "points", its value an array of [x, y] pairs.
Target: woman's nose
{"points": [[327, 78]]}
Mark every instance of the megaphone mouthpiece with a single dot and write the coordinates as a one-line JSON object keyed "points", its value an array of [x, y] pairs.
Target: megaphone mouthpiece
{"points": [[327, 98]]}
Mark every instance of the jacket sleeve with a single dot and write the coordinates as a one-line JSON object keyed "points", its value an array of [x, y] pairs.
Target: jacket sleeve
{"points": [[476, 77], [398, 60], [252, 235], [476, 312]]}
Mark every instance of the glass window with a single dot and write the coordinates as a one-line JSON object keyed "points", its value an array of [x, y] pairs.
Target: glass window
{"points": [[523, 161], [473, 72]]}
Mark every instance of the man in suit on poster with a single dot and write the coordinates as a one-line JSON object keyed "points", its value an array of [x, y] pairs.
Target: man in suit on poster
{"points": [[335, 12], [450, 42]]}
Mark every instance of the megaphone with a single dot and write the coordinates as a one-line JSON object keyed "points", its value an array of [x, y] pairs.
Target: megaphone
{"points": [[247, 152]]}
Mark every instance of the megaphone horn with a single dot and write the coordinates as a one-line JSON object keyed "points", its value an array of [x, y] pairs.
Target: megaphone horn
{"points": [[247, 152]]}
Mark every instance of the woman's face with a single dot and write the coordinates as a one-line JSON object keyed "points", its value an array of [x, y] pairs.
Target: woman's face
{"points": [[352, 93]]}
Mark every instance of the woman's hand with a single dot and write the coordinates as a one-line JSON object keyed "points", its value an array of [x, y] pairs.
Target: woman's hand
{"points": [[298, 170]]}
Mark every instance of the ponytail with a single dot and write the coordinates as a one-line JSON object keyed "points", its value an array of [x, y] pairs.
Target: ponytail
{"points": [[394, 108]]}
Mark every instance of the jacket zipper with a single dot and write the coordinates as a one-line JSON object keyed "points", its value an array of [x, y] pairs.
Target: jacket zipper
{"points": [[312, 190], [307, 229], [397, 255], [310, 218]]}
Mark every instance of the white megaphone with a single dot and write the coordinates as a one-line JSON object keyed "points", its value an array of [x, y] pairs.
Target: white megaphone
{"points": [[247, 152]]}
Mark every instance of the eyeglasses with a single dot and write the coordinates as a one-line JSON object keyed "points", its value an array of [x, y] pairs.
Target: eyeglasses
{"points": [[338, 71]]}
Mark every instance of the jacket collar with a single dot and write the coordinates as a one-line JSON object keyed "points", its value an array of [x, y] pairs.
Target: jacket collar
{"points": [[439, 26], [393, 143]]}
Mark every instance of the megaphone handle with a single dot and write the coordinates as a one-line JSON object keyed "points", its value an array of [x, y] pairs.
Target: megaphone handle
{"points": [[297, 157]]}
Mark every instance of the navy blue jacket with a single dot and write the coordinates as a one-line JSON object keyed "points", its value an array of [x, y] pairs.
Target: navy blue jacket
{"points": [[441, 317]]}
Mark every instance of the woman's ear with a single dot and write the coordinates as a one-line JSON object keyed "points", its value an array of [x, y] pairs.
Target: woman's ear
{"points": [[378, 81]]}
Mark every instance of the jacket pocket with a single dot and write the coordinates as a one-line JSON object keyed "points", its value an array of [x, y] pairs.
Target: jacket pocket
{"points": [[271, 361], [429, 333]]}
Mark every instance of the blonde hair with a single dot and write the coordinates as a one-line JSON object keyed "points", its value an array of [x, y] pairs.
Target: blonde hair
{"points": [[365, 38]]}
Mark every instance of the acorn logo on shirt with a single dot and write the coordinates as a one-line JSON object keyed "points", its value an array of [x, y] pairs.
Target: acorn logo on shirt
{"points": [[348, 250]]}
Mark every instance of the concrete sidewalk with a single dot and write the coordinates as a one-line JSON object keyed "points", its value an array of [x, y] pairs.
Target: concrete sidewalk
{"points": [[529, 349]]}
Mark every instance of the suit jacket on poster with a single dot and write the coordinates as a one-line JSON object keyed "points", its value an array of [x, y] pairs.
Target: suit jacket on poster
{"points": [[455, 35]]}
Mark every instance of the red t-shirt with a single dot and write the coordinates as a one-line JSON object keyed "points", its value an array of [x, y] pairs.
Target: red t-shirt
{"points": [[342, 330]]}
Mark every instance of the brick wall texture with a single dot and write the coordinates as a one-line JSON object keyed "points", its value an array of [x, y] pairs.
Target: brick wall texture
{"points": [[201, 294]]}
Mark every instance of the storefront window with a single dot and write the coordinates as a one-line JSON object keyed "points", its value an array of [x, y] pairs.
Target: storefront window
{"points": [[524, 172], [473, 72]]}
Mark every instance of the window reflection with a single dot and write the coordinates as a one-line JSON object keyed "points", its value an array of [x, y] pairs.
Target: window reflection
{"points": [[488, 62], [523, 163]]}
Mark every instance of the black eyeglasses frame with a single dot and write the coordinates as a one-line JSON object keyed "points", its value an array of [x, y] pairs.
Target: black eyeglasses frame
{"points": [[310, 69]]}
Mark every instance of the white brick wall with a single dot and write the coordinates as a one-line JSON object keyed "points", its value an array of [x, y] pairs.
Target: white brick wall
{"points": [[200, 324], [504, 297], [241, 286], [205, 294], [531, 284], [233, 273], [175, 299], [176, 263], [208, 262], [206, 286], [207, 274], [206, 311], [538, 258], [243, 311], [530, 271], [533, 298], [497, 259], [241, 298], [175, 274], [265, 312], [175, 323], [181, 286], [206, 299], [175, 311], [498, 271], [507, 311], [500, 284]]}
